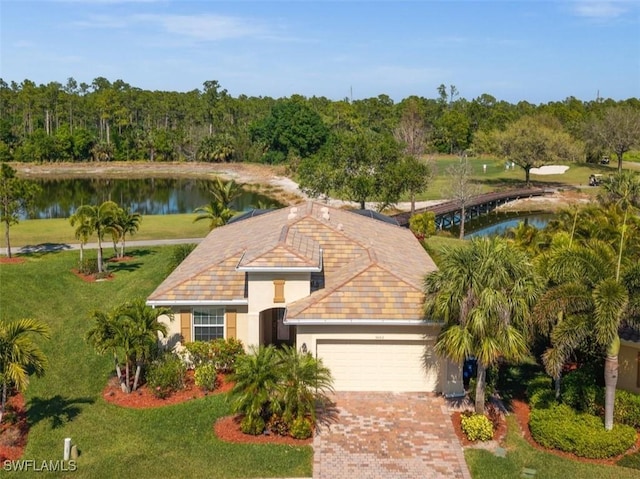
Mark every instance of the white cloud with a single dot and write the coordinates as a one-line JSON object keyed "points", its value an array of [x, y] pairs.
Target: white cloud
{"points": [[598, 9], [206, 27]]}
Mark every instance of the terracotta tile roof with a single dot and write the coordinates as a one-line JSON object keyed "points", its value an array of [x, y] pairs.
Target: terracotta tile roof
{"points": [[372, 269], [292, 250]]}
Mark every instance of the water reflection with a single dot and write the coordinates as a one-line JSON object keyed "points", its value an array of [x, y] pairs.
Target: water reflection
{"points": [[151, 196], [496, 224]]}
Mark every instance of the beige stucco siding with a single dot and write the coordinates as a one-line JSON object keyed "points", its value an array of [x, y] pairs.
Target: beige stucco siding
{"points": [[377, 358], [628, 366]]}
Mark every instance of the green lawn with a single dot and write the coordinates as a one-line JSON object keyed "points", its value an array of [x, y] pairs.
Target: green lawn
{"points": [[58, 230], [174, 441], [497, 176], [520, 454]]}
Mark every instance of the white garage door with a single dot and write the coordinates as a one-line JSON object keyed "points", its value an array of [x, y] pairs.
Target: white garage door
{"points": [[398, 366]]}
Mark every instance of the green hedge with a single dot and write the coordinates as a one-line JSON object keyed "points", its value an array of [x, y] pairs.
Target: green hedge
{"points": [[560, 427], [540, 392], [580, 391], [627, 408]]}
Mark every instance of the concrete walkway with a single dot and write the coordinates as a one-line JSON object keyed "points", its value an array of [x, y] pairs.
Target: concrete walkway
{"points": [[387, 435], [106, 246]]}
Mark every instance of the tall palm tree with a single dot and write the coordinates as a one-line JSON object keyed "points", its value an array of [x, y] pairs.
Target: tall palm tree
{"points": [[84, 229], [99, 219], [484, 293], [124, 223], [585, 300], [20, 355]]}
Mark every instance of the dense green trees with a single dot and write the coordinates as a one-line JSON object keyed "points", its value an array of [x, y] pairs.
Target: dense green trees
{"points": [[104, 121]]}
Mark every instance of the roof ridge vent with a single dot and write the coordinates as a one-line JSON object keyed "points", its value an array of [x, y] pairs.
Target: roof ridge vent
{"points": [[325, 213]]}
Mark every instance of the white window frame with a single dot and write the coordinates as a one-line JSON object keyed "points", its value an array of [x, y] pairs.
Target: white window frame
{"points": [[216, 316]]}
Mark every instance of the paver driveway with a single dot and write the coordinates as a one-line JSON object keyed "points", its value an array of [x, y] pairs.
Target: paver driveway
{"points": [[388, 436]]}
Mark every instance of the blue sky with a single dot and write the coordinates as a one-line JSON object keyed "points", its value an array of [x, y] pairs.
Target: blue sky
{"points": [[538, 51]]}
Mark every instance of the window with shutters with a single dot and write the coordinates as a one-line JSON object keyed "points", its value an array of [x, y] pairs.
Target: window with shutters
{"points": [[208, 324]]}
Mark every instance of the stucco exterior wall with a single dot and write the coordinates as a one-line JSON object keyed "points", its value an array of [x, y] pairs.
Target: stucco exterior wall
{"points": [[628, 367]]}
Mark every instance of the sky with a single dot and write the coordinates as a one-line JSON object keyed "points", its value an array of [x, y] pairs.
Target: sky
{"points": [[527, 50]]}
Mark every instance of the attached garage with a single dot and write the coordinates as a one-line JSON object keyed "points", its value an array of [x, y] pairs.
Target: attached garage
{"points": [[380, 365]]}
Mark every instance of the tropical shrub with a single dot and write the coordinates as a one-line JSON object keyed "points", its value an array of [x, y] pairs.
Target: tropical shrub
{"points": [[580, 391], [256, 378], [253, 425], [178, 255], [88, 266], [423, 225], [166, 375], [477, 427], [222, 353], [279, 386], [560, 427], [627, 408], [197, 352], [540, 392], [206, 377], [277, 425], [303, 381], [225, 353], [301, 427]]}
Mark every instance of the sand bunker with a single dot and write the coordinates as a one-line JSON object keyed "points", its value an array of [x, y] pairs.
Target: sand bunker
{"points": [[549, 170]]}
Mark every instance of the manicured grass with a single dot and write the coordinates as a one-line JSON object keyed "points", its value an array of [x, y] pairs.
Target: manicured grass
{"points": [[173, 441], [58, 230], [520, 454], [497, 176]]}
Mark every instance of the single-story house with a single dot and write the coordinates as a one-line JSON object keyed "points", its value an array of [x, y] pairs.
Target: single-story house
{"points": [[344, 286]]}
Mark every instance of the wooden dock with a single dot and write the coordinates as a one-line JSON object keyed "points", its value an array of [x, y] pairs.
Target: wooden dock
{"points": [[449, 212]]}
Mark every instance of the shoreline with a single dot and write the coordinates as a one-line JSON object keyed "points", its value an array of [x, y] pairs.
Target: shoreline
{"points": [[265, 179]]}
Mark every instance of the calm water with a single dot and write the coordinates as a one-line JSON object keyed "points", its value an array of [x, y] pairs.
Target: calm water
{"points": [[498, 223], [152, 196]]}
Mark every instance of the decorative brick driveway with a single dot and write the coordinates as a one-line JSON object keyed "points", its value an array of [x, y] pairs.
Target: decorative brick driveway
{"points": [[388, 436]]}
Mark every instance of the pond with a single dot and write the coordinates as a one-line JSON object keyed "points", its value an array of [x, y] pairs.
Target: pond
{"points": [[150, 196], [496, 223]]}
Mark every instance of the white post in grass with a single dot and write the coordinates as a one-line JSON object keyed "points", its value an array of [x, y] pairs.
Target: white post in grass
{"points": [[67, 448]]}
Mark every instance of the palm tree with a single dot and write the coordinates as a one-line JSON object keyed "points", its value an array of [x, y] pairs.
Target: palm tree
{"points": [[98, 218], [256, 379], [144, 329], [125, 222], [19, 355], [219, 210], [131, 329], [483, 293], [585, 300], [84, 229], [216, 213], [103, 337], [304, 380]]}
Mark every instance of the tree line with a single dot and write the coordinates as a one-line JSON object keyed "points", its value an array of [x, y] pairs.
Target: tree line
{"points": [[106, 121]]}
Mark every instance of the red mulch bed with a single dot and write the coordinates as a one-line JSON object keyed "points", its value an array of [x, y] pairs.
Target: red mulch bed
{"points": [[498, 435], [143, 398], [13, 435], [228, 429], [13, 260], [90, 278], [520, 410]]}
